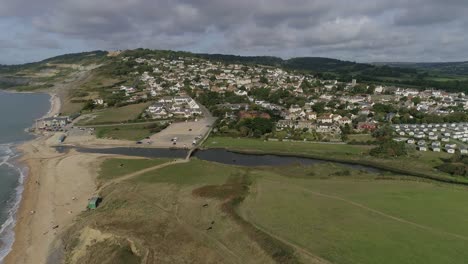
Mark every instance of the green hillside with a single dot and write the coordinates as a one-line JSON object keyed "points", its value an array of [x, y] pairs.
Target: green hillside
{"points": [[452, 77]]}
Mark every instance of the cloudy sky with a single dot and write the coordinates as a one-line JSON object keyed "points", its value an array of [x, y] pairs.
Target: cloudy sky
{"points": [[363, 31]]}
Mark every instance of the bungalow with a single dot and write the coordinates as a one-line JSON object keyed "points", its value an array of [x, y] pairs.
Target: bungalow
{"points": [[327, 128], [451, 146], [450, 151], [241, 93], [436, 149], [422, 148], [282, 124], [295, 108], [311, 115], [325, 119], [305, 125], [346, 121]]}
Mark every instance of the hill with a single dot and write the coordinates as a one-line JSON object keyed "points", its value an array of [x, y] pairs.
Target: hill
{"points": [[454, 68], [450, 76]]}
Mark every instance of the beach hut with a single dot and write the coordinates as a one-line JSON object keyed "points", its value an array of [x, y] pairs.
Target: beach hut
{"points": [[94, 203]]}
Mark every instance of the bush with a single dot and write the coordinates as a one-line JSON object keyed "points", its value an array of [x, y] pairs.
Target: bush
{"points": [[389, 148], [459, 169]]}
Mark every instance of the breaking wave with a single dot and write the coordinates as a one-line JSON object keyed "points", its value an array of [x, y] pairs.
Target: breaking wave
{"points": [[7, 235]]}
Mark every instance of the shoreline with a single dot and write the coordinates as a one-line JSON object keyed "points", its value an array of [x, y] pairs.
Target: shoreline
{"points": [[8, 225], [26, 171]]}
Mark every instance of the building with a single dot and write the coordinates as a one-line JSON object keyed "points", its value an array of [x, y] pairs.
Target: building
{"points": [[54, 122], [366, 126], [463, 150], [253, 114], [325, 118]]}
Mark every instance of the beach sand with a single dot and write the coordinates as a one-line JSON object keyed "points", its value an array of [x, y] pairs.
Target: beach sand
{"points": [[56, 190]]}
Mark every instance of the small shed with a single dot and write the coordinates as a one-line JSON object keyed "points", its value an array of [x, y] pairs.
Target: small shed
{"points": [[94, 202]]}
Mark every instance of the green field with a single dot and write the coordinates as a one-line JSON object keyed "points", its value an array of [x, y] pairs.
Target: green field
{"points": [[127, 131], [116, 115], [349, 220], [135, 132], [343, 215], [193, 173], [288, 213], [360, 137]]}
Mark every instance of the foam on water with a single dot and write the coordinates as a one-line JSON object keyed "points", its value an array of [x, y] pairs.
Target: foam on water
{"points": [[7, 235]]}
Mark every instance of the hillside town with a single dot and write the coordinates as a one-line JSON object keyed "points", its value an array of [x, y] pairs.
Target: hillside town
{"points": [[298, 106]]}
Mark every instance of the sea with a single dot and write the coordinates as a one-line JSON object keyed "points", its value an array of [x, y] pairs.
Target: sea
{"points": [[18, 112]]}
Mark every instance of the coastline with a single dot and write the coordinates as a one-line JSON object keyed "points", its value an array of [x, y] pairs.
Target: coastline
{"points": [[35, 211]]}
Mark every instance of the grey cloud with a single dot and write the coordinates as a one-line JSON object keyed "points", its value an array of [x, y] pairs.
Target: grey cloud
{"points": [[366, 29]]}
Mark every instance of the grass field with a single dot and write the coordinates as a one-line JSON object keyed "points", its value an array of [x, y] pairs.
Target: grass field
{"points": [[349, 220], [360, 137], [193, 173], [114, 168], [125, 132], [258, 215], [116, 115]]}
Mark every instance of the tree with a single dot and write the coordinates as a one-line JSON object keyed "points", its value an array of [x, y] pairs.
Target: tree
{"points": [[384, 133], [89, 105], [319, 107], [416, 100], [389, 148]]}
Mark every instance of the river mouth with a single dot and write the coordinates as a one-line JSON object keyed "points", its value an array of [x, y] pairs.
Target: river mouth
{"points": [[222, 156]]}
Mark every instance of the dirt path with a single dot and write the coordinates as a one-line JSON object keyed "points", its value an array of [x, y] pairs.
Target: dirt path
{"points": [[395, 218], [140, 172], [195, 232], [198, 233]]}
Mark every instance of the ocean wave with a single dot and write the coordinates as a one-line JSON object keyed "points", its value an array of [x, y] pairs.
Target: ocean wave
{"points": [[7, 235]]}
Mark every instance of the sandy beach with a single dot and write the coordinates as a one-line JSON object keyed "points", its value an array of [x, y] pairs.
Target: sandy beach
{"points": [[56, 190]]}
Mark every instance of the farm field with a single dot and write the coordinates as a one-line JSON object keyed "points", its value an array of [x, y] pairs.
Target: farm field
{"points": [[323, 213]]}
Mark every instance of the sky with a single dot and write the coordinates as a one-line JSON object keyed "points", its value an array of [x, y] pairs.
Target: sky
{"points": [[362, 31]]}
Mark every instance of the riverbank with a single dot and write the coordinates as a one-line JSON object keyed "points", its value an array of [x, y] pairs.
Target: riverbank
{"points": [[419, 165]]}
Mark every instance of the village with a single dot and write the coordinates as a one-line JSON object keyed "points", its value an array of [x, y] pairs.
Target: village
{"points": [[297, 106]]}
